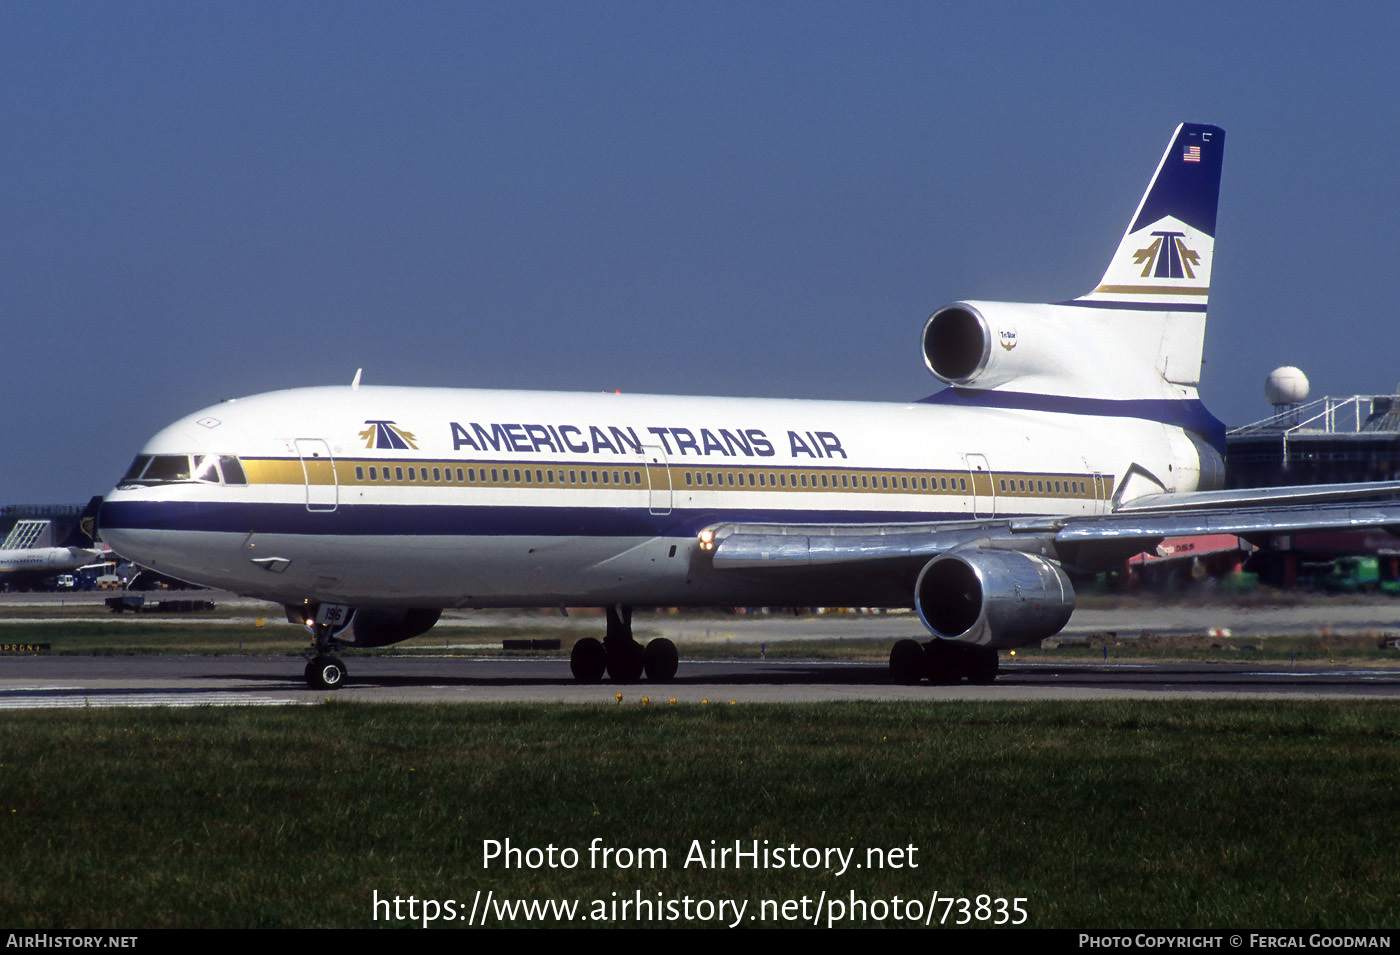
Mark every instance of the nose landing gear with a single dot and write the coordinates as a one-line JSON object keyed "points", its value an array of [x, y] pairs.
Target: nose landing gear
{"points": [[324, 670]]}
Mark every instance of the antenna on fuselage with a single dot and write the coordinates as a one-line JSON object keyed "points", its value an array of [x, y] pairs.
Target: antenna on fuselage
{"points": [[355, 385]]}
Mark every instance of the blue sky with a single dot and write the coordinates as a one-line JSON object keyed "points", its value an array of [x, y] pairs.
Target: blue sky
{"points": [[207, 200]]}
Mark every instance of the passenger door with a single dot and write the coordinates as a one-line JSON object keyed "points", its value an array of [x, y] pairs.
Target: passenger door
{"points": [[318, 468]]}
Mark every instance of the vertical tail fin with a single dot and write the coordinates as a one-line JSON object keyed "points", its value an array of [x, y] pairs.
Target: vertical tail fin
{"points": [[1163, 262], [84, 533], [1137, 337]]}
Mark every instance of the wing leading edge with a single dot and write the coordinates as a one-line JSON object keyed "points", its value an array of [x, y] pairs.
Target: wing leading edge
{"points": [[1143, 524]]}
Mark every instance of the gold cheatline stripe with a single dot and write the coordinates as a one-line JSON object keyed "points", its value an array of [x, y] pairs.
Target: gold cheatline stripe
{"points": [[263, 471], [1152, 290], [702, 478]]}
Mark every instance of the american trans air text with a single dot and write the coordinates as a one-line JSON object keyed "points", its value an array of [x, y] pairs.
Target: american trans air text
{"points": [[612, 439]]}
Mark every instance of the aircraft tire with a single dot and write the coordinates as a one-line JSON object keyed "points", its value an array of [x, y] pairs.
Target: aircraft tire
{"points": [[907, 664], [587, 660], [944, 662], [660, 660], [325, 673], [625, 662], [982, 665]]}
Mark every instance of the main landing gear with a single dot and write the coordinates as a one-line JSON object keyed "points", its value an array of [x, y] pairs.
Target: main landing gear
{"points": [[621, 656], [943, 662]]}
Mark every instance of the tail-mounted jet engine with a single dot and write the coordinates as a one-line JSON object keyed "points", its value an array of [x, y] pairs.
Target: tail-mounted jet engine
{"points": [[991, 598], [957, 344], [986, 344]]}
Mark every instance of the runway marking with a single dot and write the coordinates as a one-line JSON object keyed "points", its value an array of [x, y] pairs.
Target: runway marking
{"points": [[67, 697], [1349, 674]]}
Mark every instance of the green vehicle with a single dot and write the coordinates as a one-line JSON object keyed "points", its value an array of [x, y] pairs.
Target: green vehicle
{"points": [[1354, 575]]}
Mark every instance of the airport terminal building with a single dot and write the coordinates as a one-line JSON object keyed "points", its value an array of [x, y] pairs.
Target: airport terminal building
{"points": [[1329, 441], [36, 525]]}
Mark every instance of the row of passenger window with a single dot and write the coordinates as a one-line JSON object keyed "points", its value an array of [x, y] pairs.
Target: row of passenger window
{"points": [[729, 478], [879, 482], [579, 477], [818, 480], [1029, 486]]}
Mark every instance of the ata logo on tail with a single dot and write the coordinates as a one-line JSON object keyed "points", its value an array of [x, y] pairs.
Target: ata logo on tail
{"points": [[386, 434], [1171, 257]]}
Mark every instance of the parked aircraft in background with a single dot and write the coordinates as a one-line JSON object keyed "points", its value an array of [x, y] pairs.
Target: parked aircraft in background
{"points": [[1069, 437], [30, 566]]}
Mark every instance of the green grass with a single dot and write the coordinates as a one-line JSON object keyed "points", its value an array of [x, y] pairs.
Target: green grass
{"points": [[143, 636], [1102, 815]]}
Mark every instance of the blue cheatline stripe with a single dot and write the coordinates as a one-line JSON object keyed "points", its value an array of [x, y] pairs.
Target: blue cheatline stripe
{"points": [[1187, 413], [468, 520], [1139, 306]]}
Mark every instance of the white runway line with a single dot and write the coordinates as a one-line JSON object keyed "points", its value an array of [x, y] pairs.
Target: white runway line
{"points": [[67, 697]]}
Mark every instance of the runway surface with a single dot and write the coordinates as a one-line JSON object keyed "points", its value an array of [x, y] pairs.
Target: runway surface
{"points": [[1128, 619], [57, 681], [29, 682]]}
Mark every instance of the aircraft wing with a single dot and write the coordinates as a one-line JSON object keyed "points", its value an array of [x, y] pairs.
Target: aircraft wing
{"points": [[1143, 522]]}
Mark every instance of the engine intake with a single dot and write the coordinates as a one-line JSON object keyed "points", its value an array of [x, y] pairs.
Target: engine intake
{"points": [[989, 344], [957, 344], [999, 599]]}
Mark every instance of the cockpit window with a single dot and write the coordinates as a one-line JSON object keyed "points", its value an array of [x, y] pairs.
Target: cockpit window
{"points": [[165, 468], [233, 470], [150, 469], [133, 473], [206, 469]]}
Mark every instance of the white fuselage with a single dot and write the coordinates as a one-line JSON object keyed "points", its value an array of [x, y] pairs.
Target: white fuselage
{"points": [[34, 561], [383, 496]]}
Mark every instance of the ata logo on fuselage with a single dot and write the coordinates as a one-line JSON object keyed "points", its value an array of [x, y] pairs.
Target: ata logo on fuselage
{"points": [[387, 435], [1167, 258]]}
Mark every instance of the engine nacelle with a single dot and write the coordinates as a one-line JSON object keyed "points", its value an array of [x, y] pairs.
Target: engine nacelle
{"points": [[379, 628], [992, 598], [1041, 347], [985, 344], [957, 344]]}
